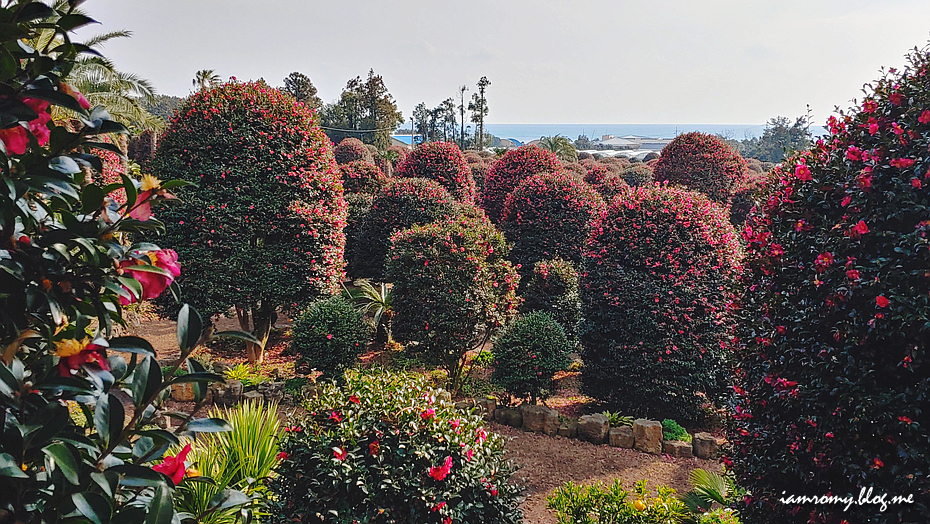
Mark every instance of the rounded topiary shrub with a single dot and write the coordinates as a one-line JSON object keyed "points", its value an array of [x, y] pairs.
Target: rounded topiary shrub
{"points": [[654, 293], [262, 226], [479, 172], [352, 149], [505, 174], [453, 288], [398, 154], [360, 176], [528, 353], [328, 336], [547, 216], [584, 156], [833, 383], [638, 175], [444, 163], [385, 165], [595, 173], [404, 202], [574, 168], [385, 448], [612, 186], [553, 288], [704, 163]]}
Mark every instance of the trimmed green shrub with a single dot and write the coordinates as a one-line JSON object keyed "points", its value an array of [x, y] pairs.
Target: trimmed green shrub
{"points": [[528, 352], [672, 430], [453, 288], [602, 504], [547, 216], [350, 150], [444, 163], [833, 382], [383, 448], [638, 175], [262, 229], [328, 336], [505, 174], [704, 163], [654, 293], [360, 176], [553, 288], [359, 205], [403, 203], [651, 156], [397, 154]]}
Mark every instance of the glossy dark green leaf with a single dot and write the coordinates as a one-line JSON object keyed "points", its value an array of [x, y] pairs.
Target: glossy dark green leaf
{"points": [[93, 506], [241, 335], [10, 468], [64, 164], [130, 187], [200, 378], [172, 184], [132, 345], [8, 382], [91, 198], [65, 460], [34, 11], [146, 381], [58, 98], [228, 498], [161, 508], [200, 388], [190, 326], [74, 20], [109, 417], [208, 425], [133, 475]]}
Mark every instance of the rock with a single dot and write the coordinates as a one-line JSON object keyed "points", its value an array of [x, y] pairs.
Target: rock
{"points": [[443, 396], [182, 392], [621, 437], [309, 391], [647, 436], [272, 391], [540, 419], [220, 367], [465, 405], [593, 428], [509, 417], [706, 446], [569, 429], [677, 449], [488, 406], [254, 396], [227, 394]]}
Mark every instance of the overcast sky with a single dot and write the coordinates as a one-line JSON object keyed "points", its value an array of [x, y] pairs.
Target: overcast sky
{"points": [[591, 61]]}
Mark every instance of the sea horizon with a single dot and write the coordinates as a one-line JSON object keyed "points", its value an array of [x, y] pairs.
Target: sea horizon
{"points": [[528, 132]]}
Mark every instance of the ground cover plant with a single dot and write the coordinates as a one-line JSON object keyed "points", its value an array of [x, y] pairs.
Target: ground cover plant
{"points": [[832, 378]]}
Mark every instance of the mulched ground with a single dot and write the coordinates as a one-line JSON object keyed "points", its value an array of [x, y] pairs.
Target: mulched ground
{"points": [[545, 462]]}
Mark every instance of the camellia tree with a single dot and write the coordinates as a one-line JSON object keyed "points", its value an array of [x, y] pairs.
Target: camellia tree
{"points": [[704, 163], [263, 226], [444, 163], [510, 170], [833, 381], [79, 440]]}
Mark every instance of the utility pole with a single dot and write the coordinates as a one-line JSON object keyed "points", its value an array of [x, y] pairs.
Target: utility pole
{"points": [[462, 114]]}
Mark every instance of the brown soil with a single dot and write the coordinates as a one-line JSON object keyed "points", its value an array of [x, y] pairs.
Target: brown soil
{"points": [[545, 462]]}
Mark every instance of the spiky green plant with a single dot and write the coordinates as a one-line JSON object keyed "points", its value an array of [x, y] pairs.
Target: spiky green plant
{"points": [[709, 488], [376, 302]]}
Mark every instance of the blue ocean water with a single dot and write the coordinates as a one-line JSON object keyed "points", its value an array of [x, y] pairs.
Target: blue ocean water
{"points": [[528, 132]]}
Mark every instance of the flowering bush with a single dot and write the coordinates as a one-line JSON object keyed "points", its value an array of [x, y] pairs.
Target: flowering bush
{"points": [[359, 205], [553, 288], [444, 163], [595, 172], [613, 185], [479, 172], [383, 448], [403, 203], [328, 336], [832, 367], [67, 268], [385, 164], [702, 163], [505, 174], [453, 288], [574, 168], [263, 227], [398, 154], [654, 295], [546, 217], [528, 352], [638, 175], [360, 176], [350, 150]]}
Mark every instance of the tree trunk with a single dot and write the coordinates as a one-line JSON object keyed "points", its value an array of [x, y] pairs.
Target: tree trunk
{"points": [[263, 319]]}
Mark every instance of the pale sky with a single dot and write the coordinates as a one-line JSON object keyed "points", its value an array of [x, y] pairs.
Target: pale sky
{"points": [[592, 61]]}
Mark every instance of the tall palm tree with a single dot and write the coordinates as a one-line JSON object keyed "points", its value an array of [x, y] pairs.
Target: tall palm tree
{"points": [[561, 146], [205, 79]]}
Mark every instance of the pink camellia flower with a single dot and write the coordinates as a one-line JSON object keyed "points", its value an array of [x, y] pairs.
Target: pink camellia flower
{"points": [[873, 128], [15, 139], [354, 399], [854, 153], [39, 126], [802, 172], [901, 163], [924, 117], [150, 190], [335, 416], [881, 301], [174, 466], [428, 414], [482, 436], [859, 229], [869, 106], [852, 274], [75, 94], [153, 284], [440, 473], [916, 183], [439, 506], [823, 261], [283, 455], [896, 98], [470, 454]]}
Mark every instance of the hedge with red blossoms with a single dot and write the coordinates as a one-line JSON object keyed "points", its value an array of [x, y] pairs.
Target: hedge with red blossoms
{"points": [[360, 176], [613, 185], [833, 379], [444, 163], [595, 172], [386, 448], [509, 171], [704, 163], [654, 293], [546, 217], [263, 227], [350, 150]]}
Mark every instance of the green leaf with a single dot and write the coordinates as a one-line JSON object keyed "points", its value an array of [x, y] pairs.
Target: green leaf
{"points": [[200, 388], [91, 198], [241, 335], [93, 506], [74, 20], [198, 377], [65, 460], [130, 187], [208, 425], [109, 417], [228, 498], [146, 381], [133, 475], [161, 509], [171, 184], [33, 11], [8, 382], [132, 345], [56, 97], [190, 326], [10, 468]]}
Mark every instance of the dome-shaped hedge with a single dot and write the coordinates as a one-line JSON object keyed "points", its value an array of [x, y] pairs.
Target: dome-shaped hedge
{"points": [[638, 175], [704, 163], [265, 219], [833, 389], [352, 149], [329, 336], [509, 171], [360, 176], [612, 186], [596, 172], [528, 353], [654, 301], [547, 216], [444, 163], [553, 288], [401, 204]]}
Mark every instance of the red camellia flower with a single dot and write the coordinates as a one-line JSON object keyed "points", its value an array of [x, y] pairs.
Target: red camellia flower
{"points": [[803, 173], [439, 506], [153, 284], [904, 419], [335, 416], [354, 399], [924, 117], [75, 94], [174, 466], [428, 414], [150, 190], [283, 455], [823, 261], [901, 163], [72, 354], [853, 274], [340, 453], [440, 473], [374, 447], [15, 139], [881, 301], [860, 228], [869, 106], [877, 463]]}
